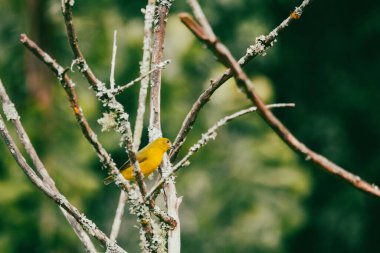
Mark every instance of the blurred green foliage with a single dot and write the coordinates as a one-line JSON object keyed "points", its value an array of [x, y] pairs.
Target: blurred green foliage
{"points": [[244, 192]]}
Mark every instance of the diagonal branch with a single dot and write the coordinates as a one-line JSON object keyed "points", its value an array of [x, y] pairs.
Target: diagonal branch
{"points": [[103, 94], [54, 194], [68, 86], [259, 48], [118, 215], [105, 158], [244, 84], [12, 115]]}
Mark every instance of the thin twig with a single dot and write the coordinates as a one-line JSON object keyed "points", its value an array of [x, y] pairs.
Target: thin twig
{"points": [[122, 88], [118, 216], [200, 16], [259, 48], [206, 137], [244, 84], [113, 61]]}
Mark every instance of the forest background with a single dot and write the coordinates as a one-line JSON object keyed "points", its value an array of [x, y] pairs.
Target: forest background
{"points": [[246, 192]]}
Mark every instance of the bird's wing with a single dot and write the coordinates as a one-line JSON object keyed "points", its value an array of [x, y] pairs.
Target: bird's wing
{"points": [[127, 163], [124, 166]]}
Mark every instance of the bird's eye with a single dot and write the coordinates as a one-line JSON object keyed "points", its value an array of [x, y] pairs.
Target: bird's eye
{"points": [[167, 141]]}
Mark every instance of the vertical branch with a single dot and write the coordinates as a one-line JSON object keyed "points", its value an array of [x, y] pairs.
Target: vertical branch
{"points": [[118, 215], [172, 201], [144, 68], [157, 55], [113, 61], [123, 195]]}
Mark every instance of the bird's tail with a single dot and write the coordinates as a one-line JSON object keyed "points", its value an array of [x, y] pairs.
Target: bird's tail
{"points": [[108, 180]]}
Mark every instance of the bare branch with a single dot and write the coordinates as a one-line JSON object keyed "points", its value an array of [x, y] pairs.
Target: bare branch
{"points": [[107, 98], [144, 68], [261, 45], [202, 18], [206, 137], [11, 114], [54, 194], [21, 160], [68, 86], [118, 215], [244, 84], [82, 235], [104, 95], [120, 89], [157, 55], [113, 61], [171, 199]]}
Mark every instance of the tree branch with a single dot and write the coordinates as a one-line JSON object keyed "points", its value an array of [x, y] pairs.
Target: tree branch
{"points": [[143, 76], [144, 68], [244, 84], [171, 199], [68, 86], [12, 115], [103, 94], [118, 215], [113, 61], [259, 48], [53, 194]]}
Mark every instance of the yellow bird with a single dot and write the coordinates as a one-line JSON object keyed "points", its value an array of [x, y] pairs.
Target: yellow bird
{"points": [[149, 158]]}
